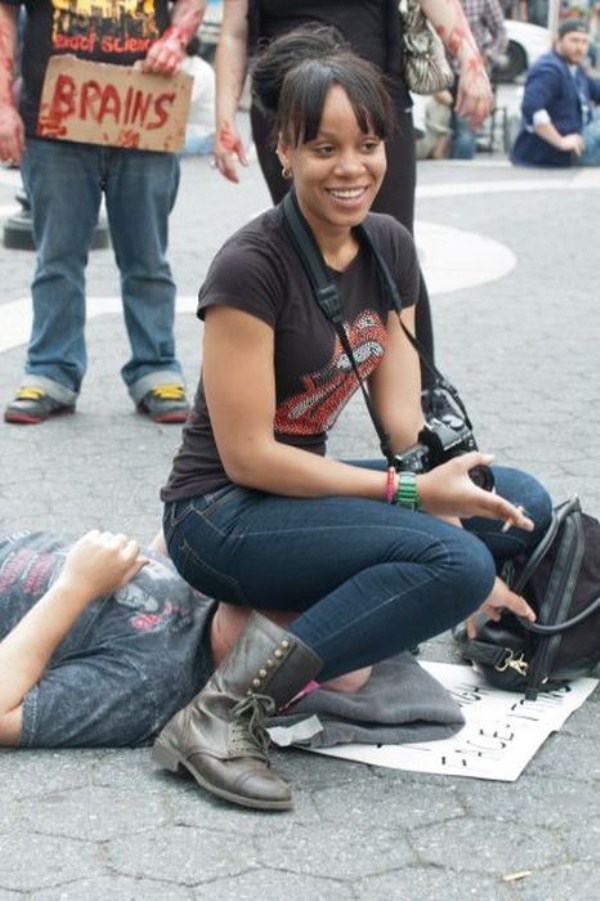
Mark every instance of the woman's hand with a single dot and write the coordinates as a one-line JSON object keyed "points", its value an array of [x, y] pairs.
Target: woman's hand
{"points": [[100, 563], [501, 598], [475, 98], [448, 490]]}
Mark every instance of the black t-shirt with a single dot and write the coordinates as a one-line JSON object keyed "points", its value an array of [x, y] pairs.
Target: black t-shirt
{"points": [[258, 271], [362, 22], [102, 31]]}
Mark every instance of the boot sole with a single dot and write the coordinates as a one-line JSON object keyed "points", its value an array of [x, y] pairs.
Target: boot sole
{"points": [[170, 760]]}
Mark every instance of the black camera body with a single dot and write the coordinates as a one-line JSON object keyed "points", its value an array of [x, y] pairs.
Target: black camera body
{"points": [[439, 442]]}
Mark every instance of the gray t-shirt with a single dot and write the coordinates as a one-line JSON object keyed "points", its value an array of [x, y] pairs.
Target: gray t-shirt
{"points": [[259, 271], [130, 662]]}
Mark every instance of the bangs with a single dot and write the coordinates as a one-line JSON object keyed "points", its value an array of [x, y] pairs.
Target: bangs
{"points": [[305, 91]]}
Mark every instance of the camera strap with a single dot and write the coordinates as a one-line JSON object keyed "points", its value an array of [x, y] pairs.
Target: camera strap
{"points": [[327, 297], [326, 294]]}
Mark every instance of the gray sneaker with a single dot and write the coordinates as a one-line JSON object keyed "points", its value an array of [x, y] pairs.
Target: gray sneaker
{"points": [[32, 405], [165, 403]]}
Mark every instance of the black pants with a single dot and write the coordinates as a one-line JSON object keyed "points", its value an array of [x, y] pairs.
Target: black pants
{"points": [[396, 197]]}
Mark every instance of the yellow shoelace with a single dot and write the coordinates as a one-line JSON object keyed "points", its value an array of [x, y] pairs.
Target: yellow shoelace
{"points": [[169, 392], [29, 393]]}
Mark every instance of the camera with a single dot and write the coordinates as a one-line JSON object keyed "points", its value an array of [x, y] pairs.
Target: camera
{"points": [[440, 441]]}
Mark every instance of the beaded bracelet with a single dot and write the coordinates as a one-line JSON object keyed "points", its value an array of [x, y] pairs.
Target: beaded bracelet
{"points": [[390, 487], [407, 493]]}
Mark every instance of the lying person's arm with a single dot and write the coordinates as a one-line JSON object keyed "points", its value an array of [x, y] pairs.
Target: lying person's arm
{"points": [[98, 564]]}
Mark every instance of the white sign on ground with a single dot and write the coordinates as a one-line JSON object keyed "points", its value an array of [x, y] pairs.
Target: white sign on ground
{"points": [[502, 733]]}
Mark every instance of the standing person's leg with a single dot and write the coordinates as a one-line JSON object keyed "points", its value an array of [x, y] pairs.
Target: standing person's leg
{"points": [[62, 182], [397, 198], [262, 135], [141, 188]]}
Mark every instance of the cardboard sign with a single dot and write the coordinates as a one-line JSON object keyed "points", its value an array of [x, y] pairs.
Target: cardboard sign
{"points": [[97, 103]]}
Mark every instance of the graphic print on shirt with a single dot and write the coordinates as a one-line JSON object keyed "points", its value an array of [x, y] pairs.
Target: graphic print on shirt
{"points": [[32, 570], [156, 601], [104, 26], [327, 391]]}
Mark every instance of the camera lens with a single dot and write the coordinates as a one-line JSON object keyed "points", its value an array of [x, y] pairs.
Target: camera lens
{"points": [[483, 477]]}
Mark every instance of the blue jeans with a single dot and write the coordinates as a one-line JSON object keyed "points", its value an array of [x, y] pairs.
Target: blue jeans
{"points": [[591, 137], [369, 579], [464, 140], [65, 183]]}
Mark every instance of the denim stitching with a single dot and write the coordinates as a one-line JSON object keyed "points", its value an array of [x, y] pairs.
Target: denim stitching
{"points": [[188, 552]]}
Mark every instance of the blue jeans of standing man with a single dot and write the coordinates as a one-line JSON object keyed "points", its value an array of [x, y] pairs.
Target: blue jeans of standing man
{"points": [[65, 182], [369, 579]]}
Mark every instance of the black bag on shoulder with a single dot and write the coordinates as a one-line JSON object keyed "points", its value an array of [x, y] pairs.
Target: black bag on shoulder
{"points": [[560, 580]]}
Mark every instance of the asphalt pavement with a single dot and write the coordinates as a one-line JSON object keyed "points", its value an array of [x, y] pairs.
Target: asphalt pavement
{"points": [[512, 260]]}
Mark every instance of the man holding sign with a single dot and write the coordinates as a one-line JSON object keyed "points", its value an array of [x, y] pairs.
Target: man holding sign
{"points": [[65, 178]]}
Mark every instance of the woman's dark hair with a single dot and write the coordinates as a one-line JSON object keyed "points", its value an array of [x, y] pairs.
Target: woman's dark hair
{"points": [[293, 75], [276, 58]]}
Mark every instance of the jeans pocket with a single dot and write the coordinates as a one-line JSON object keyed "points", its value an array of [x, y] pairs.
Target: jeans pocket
{"points": [[200, 575], [174, 514]]}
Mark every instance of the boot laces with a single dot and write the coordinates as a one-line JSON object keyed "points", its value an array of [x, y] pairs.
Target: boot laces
{"points": [[248, 732]]}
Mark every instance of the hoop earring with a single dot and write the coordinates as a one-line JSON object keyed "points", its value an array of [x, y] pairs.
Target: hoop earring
{"points": [[286, 172]]}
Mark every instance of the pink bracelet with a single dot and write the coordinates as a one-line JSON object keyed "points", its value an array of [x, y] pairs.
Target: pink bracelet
{"points": [[390, 487]]}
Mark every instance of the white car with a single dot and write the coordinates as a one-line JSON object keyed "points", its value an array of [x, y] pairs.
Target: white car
{"points": [[525, 42]]}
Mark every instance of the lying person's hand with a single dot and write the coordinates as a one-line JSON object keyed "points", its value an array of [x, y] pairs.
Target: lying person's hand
{"points": [[448, 490], [101, 562], [501, 598]]}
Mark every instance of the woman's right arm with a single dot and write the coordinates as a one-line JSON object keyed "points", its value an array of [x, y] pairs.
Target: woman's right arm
{"points": [[231, 64], [239, 384]]}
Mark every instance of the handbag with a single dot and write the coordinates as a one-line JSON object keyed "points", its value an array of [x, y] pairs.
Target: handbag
{"points": [[426, 67], [560, 580]]}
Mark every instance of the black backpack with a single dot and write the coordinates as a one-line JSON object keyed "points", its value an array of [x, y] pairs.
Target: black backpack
{"points": [[560, 579]]}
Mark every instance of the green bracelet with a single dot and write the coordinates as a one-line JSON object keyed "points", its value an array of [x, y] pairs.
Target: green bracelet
{"points": [[407, 493]]}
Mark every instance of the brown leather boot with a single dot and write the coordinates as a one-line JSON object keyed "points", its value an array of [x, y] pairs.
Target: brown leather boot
{"points": [[220, 736]]}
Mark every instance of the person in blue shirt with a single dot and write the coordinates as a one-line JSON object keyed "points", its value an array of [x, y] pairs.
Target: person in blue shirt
{"points": [[560, 126]]}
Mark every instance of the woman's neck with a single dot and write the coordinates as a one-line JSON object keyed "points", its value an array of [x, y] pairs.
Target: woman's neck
{"points": [[338, 245], [339, 253]]}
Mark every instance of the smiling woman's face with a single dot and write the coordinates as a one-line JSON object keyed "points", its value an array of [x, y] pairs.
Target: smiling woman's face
{"points": [[337, 174]]}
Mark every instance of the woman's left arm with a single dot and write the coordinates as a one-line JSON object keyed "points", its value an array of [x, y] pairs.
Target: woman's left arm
{"points": [[474, 99]]}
